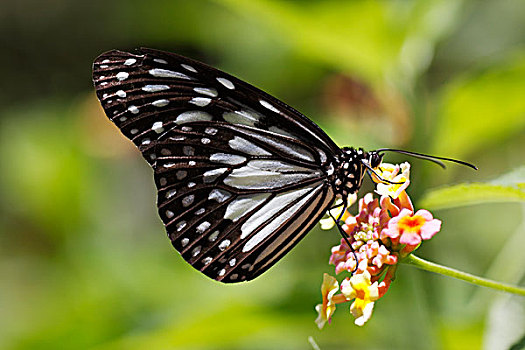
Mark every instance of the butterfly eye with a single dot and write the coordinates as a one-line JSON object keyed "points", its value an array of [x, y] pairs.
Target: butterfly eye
{"points": [[375, 159], [241, 176]]}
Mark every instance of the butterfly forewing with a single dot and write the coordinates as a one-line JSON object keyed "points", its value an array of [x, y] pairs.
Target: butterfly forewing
{"points": [[241, 176]]}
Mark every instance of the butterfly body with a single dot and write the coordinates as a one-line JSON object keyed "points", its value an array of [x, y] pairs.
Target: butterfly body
{"points": [[241, 176]]}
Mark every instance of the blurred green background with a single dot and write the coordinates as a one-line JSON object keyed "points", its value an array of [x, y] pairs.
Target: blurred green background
{"points": [[84, 259]]}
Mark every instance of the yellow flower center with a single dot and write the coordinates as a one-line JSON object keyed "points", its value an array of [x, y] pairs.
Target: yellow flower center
{"points": [[411, 223]]}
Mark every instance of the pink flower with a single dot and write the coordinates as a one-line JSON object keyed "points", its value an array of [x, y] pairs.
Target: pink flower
{"points": [[383, 257], [410, 229], [339, 257]]}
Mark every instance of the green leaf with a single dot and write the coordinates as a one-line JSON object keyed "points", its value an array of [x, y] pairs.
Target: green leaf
{"points": [[369, 39], [482, 108], [507, 188]]}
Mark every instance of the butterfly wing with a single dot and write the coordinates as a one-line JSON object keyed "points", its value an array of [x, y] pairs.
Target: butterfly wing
{"points": [[241, 176]]}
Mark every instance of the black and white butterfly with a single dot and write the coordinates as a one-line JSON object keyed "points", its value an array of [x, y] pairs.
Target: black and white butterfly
{"points": [[241, 176]]}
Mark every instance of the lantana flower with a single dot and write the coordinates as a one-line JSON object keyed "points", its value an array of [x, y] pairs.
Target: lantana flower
{"points": [[398, 175], [408, 228], [383, 231], [364, 293], [325, 310]]}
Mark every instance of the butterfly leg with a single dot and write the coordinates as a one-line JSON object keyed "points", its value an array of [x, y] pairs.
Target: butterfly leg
{"points": [[343, 233]]}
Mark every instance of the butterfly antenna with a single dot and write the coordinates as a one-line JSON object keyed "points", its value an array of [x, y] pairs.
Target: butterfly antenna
{"points": [[434, 159], [344, 234]]}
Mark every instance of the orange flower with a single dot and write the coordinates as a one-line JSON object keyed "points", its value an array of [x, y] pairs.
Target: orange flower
{"points": [[327, 308]]}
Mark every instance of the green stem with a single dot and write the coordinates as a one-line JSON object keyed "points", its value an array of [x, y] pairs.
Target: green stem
{"points": [[447, 271]]}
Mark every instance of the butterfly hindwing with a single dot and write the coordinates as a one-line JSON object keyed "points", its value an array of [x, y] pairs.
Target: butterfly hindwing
{"points": [[241, 176], [224, 200]]}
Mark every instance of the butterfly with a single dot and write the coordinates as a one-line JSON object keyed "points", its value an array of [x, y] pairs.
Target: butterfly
{"points": [[241, 176]]}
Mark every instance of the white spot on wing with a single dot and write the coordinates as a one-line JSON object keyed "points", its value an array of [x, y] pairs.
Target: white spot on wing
{"points": [[155, 88], [188, 67], [243, 117], [129, 61], [121, 93], [269, 106], [196, 251], [122, 76], [184, 242], [166, 73], [206, 91], [227, 84], [193, 116], [181, 225], [200, 101], [224, 158], [203, 227], [157, 127], [200, 211], [160, 60], [133, 109], [188, 200], [213, 236], [224, 244], [160, 103], [245, 146], [210, 131]]}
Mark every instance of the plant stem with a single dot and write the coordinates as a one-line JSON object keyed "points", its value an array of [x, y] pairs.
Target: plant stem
{"points": [[447, 271]]}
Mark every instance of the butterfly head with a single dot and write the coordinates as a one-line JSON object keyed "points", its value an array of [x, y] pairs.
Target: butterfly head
{"points": [[374, 159]]}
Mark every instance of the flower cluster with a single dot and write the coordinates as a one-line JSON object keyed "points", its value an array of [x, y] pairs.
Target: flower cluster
{"points": [[383, 232]]}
